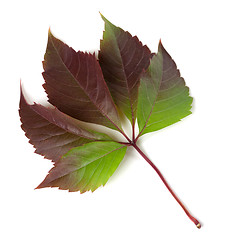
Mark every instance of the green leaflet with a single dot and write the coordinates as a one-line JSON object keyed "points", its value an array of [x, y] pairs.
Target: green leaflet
{"points": [[86, 167], [122, 59], [163, 97]]}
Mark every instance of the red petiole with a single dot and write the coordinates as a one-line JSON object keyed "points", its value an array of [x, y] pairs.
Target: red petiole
{"points": [[133, 143]]}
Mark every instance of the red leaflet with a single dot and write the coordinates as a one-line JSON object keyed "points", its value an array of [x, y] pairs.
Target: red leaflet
{"points": [[75, 85], [52, 132], [122, 59]]}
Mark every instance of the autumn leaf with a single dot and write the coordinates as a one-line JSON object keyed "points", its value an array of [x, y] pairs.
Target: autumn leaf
{"points": [[126, 78]]}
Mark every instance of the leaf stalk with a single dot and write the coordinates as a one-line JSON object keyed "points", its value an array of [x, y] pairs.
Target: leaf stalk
{"points": [[193, 219]]}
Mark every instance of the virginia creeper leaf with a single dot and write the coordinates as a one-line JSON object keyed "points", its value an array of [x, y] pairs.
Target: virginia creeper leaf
{"points": [[86, 167], [163, 97], [74, 84], [52, 132], [143, 85], [122, 59]]}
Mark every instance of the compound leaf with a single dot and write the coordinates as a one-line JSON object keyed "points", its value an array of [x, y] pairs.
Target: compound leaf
{"points": [[163, 97], [52, 132], [86, 167], [74, 84], [122, 59], [144, 86]]}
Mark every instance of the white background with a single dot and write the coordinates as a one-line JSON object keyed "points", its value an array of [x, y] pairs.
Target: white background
{"points": [[191, 154]]}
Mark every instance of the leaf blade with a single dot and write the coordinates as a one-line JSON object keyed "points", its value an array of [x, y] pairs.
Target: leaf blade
{"points": [[163, 96], [52, 132], [75, 85], [121, 67], [86, 167]]}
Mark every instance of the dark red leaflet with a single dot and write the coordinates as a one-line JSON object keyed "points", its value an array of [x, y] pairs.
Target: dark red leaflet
{"points": [[51, 132], [75, 85]]}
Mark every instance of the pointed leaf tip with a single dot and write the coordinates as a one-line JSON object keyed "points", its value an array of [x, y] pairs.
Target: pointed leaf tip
{"points": [[49, 32], [160, 46], [20, 88], [102, 16], [41, 185], [107, 21], [23, 100]]}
